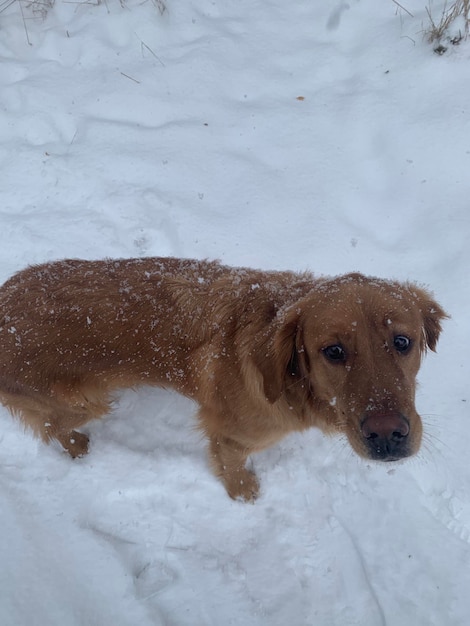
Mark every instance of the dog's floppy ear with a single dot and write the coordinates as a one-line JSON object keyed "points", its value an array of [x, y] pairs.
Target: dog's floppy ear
{"points": [[279, 356], [432, 314]]}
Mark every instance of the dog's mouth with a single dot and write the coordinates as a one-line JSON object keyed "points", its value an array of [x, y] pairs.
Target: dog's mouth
{"points": [[387, 457], [385, 451]]}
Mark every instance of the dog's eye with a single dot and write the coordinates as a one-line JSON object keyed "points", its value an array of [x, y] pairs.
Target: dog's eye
{"points": [[335, 353], [401, 343]]}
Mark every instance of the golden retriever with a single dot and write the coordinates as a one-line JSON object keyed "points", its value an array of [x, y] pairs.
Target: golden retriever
{"points": [[263, 353]]}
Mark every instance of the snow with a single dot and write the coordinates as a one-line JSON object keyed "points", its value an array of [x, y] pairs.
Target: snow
{"points": [[321, 136]]}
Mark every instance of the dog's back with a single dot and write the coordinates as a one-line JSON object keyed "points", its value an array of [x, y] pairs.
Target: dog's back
{"points": [[122, 320], [83, 320]]}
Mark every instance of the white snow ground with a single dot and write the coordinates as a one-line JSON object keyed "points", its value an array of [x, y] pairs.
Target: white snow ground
{"points": [[319, 135]]}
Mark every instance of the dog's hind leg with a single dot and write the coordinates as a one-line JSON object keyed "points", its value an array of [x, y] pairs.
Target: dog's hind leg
{"points": [[57, 416], [59, 425], [75, 406], [74, 442]]}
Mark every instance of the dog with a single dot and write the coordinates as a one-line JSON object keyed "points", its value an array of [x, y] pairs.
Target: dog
{"points": [[262, 353]]}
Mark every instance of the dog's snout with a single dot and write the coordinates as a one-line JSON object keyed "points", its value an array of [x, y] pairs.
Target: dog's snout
{"points": [[393, 425], [386, 436]]}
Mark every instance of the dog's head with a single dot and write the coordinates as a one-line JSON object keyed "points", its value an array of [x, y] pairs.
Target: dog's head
{"points": [[346, 356]]}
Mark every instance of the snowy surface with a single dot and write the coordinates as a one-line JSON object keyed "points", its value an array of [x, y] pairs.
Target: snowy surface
{"points": [[309, 135]]}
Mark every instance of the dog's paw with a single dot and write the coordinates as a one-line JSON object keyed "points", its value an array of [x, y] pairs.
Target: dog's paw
{"points": [[76, 444], [242, 485]]}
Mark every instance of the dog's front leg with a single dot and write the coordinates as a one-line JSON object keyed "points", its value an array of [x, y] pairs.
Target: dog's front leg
{"points": [[228, 460]]}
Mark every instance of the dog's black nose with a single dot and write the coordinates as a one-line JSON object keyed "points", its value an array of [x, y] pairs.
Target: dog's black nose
{"points": [[386, 436]]}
